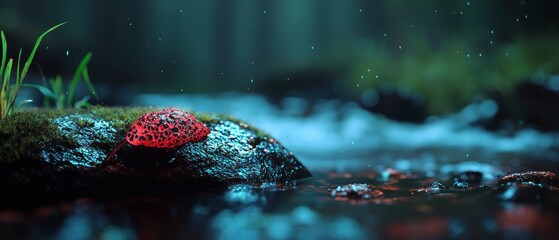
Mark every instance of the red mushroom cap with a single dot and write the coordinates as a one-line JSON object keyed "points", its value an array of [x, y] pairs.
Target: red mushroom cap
{"points": [[168, 128]]}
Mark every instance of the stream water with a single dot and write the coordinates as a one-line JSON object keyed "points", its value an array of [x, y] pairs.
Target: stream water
{"points": [[381, 165]]}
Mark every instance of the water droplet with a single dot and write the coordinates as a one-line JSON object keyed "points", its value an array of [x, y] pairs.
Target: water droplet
{"points": [[480, 54], [47, 47], [436, 11], [360, 10], [468, 55], [492, 32], [67, 53], [180, 10], [265, 11], [491, 42], [161, 70], [385, 34], [376, 76], [362, 76], [252, 80], [312, 47], [182, 90], [368, 70], [468, 3], [518, 19], [400, 47]]}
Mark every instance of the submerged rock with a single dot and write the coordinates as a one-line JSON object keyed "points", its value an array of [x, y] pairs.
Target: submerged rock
{"points": [[435, 187], [542, 178], [54, 151], [355, 192]]}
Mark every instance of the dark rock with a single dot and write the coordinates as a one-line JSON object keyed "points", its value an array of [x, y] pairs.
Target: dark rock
{"points": [[469, 177], [460, 185], [542, 178], [492, 113], [69, 157], [435, 187], [395, 104], [536, 103], [355, 191]]}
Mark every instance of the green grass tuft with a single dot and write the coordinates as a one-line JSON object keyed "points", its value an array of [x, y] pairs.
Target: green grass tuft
{"points": [[8, 93]]}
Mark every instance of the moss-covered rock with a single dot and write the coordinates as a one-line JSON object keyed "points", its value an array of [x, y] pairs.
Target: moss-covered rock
{"points": [[53, 151]]}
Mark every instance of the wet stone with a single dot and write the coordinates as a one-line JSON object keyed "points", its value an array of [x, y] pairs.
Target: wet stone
{"points": [[218, 154], [460, 185], [541, 178], [86, 134], [435, 187], [356, 191], [72, 160], [469, 177]]}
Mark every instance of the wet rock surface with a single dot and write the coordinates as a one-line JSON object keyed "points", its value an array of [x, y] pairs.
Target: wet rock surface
{"points": [[72, 160], [540, 178], [356, 191]]}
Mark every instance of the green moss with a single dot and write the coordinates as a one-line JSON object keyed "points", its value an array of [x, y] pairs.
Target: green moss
{"points": [[25, 132]]}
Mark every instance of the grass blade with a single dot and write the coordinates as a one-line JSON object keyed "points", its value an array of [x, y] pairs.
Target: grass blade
{"points": [[89, 84], [76, 79], [4, 107], [82, 103], [58, 91], [23, 102], [15, 87], [30, 59], [4, 51], [44, 90]]}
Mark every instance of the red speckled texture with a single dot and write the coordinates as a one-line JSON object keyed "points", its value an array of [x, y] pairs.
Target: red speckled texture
{"points": [[168, 128]]}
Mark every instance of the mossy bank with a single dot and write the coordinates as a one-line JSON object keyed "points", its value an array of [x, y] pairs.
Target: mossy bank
{"points": [[44, 150]]}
